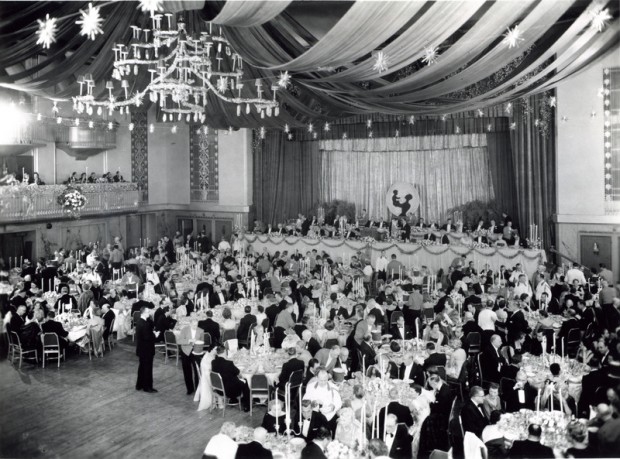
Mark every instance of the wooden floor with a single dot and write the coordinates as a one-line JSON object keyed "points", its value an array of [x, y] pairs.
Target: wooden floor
{"points": [[91, 409]]}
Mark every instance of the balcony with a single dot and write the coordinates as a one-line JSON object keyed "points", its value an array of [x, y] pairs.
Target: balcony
{"points": [[31, 203]]}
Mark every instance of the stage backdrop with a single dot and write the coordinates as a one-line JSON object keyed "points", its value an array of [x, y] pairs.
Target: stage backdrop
{"points": [[448, 170]]}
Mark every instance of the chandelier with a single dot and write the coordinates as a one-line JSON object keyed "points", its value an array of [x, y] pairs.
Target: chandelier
{"points": [[183, 71]]}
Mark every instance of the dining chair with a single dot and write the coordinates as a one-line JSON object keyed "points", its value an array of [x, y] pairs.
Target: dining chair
{"points": [[171, 346], [51, 347], [110, 340], [228, 334], [219, 392], [259, 388], [473, 341], [19, 350]]}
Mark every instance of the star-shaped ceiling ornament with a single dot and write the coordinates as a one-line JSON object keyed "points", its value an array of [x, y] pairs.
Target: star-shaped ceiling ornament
{"points": [[552, 101], [290, 136], [381, 62], [326, 127], [310, 127], [412, 119], [47, 31], [287, 128], [151, 6], [430, 55], [600, 17], [91, 22], [513, 37], [284, 80]]}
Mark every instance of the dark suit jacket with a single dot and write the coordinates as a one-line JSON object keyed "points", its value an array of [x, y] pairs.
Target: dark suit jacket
{"points": [[416, 374], [529, 449], [401, 446], [145, 339], [509, 371], [317, 420], [244, 326], [253, 450], [473, 419], [212, 328], [402, 413], [271, 312], [511, 397], [443, 402], [288, 368], [395, 332], [567, 326], [369, 352], [214, 299], [108, 317], [435, 360], [490, 362], [313, 346], [51, 326], [229, 372], [312, 451]]}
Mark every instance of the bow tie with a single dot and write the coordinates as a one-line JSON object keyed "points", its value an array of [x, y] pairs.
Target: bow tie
{"points": [[391, 435]]}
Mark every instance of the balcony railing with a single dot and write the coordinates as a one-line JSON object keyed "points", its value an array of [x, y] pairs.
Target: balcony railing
{"points": [[31, 203], [198, 195]]}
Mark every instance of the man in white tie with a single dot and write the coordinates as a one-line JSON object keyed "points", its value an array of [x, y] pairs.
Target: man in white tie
{"points": [[397, 438], [320, 390], [400, 330]]}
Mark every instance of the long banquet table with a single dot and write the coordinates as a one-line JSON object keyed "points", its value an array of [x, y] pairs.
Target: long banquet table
{"points": [[433, 256]]}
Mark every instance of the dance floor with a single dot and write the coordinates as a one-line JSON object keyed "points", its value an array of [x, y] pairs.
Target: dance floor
{"points": [[91, 409]]}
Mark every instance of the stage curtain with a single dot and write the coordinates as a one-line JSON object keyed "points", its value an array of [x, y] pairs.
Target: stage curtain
{"points": [[502, 173], [448, 171], [286, 177], [534, 161]]}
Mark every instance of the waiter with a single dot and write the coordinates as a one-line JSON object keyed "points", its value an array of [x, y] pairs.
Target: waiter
{"points": [[145, 350]]}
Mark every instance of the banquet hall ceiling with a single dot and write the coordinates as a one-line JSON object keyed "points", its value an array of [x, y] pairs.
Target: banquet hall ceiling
{"points": [[440, 57]]}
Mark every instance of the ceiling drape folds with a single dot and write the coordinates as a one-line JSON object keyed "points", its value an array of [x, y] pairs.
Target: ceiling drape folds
{"points": [[249, 13]]}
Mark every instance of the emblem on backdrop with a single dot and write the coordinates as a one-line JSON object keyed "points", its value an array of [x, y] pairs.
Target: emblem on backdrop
{"points": [[402, 198]]}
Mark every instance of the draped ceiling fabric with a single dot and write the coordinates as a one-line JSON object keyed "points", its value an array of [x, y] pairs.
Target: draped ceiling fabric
{"points": [[448, 171]]}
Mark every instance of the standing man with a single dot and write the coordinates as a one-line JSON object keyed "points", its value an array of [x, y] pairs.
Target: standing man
{"points": [[191, 341], [145, 350]]}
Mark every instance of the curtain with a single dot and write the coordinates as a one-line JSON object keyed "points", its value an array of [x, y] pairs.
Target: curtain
{"points": [[286, 177], [533, 153], [502, 173], [448, 171]]}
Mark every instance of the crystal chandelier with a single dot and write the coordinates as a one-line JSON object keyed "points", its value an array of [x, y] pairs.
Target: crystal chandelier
{"points": [[183, 71]]}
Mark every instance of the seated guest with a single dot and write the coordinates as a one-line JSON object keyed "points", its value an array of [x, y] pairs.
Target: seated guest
{"points": [[400, 330], [223, 445], [578, 435], [312, 345], [443, 397], [368, 353], [245, 323], [51, 326], [329, 359], [456, 361], [402, 412], [65, 301], [435, 359], [348, 429], [433, 333], [255, 449], [289, 367], [302, 353], [510, 371], [274, 419], [531, 447], [212, 328], [234, 386], [491, 361], [411, 370], [492, 402], [397, 438], [108, 316], [313, 366], [311, 421], [473, 416], [521, 395], [228, 323], [317, 447], [377, 449]]}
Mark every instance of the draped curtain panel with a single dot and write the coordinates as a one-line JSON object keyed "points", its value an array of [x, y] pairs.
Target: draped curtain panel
{"points": [[534, 170], [447, 170], [286, 177]]}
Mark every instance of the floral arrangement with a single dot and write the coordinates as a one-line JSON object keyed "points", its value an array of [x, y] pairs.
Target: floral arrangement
{"points": [[337, 450], [72, 200]]}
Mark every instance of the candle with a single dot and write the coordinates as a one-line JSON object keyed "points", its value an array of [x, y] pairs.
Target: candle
{"points": [[538, 401], [561, 399]]}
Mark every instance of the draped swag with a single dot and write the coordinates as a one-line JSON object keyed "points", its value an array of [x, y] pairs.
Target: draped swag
{"points": [[449, 171]]}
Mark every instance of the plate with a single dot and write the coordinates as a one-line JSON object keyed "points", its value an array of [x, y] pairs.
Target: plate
{"points": [[297, 442], [556, 325], [198, 342]]}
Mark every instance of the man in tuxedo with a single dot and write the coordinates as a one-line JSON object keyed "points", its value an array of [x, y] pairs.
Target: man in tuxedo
{"points": [[316, 448], [312, 345], [435, 359], [212, 328], [329, 358], [255, 449], [491, 361], [145, 350], [108, 316], [521, 395], [233, 386], [511, 369], [245, 323], [472, 414], [402, 412], [443, 396], [397, 438], [51, 326], [448, 227], [531, 447], [311, 421], [368, 352], [411, 370], [191, 341], [290, 366], [218, 296], [400, 330]]}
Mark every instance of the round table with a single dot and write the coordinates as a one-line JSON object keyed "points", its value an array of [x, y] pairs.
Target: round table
{"points": [[553, 424]]}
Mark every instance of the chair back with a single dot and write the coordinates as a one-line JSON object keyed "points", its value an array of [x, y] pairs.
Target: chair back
{"points": [[296, 379], [170, 337], [259, 382], [16, 341], [574, 335], [207, 338], [232, 345], [505, 384], [480, 369], [429, 314], [49, 340], [228, 334], [473, 341], [216, 383], [250, 330]]}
